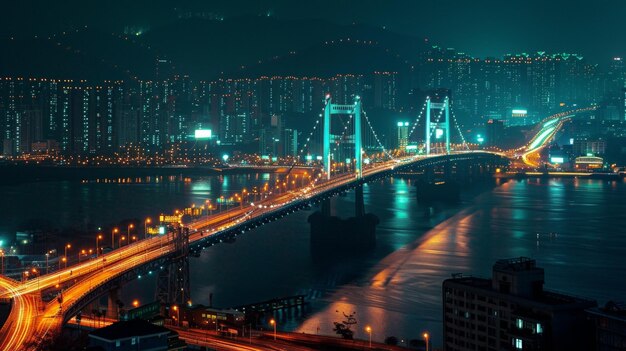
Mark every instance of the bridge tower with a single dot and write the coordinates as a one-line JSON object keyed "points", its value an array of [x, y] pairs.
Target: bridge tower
{"points": [[173, 279], [335, 109], [438, 125]]}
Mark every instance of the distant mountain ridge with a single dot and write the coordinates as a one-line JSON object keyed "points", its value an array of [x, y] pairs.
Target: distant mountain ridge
{"points": [[207, 49]]}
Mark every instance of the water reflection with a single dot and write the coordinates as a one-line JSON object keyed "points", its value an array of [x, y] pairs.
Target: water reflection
{"points": [[572, 227]]}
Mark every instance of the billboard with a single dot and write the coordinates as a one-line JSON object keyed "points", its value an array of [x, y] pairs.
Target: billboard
{"points": [[169, 219], [203, 134], [557, 160]]}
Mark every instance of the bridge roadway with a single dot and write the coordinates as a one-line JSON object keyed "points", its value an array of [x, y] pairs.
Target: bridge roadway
{"points": [[32, 319], [549, 127]]}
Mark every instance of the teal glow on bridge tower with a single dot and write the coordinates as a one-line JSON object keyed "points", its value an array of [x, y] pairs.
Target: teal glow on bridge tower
{"points": [[441, 128], [334, 109]]}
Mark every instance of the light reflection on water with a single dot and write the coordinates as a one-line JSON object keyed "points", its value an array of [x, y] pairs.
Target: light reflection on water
{"points": [[573, 227], [570, 226]]}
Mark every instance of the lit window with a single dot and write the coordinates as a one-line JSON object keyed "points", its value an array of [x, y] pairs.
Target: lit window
{"points": [[520, 323], [133, 341], [517, 343], [539, 328], [117, 343]]}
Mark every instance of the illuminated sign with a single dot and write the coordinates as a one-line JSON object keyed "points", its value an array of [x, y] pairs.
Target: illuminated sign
{"points": [[265, 157], [438, 133], [169, 219], [309, 157], [557, 160], [203, 134], [411, 147], [519, 113], [162, 230]]}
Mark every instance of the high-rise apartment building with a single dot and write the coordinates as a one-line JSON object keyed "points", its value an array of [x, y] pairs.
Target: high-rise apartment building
{"points": [[512, 311]]}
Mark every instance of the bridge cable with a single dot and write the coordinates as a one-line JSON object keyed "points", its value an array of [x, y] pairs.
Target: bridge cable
{"points": [[458, 128], [376, 136], [417, 120]]}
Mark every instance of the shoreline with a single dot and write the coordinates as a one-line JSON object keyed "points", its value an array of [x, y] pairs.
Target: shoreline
{"points": [[20, 174]]}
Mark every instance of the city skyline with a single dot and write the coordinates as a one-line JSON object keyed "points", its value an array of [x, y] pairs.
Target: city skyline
{"points": [[328, 175]]}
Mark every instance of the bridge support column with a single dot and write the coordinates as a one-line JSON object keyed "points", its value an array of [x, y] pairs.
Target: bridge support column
{"points": [[334, 235], [325, 208], [359, 210], [113, 309]]}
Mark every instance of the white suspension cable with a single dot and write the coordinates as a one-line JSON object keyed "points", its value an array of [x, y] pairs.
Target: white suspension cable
{"points": [[376, 136], [458, 128], [417, 120]]}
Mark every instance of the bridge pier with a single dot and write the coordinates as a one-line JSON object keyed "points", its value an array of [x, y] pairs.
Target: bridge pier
{"points": [[334, 234], [113, 309], [325, 207]]}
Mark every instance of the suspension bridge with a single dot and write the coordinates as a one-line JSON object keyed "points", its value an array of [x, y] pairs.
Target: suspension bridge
{"points": [[33, 319]]}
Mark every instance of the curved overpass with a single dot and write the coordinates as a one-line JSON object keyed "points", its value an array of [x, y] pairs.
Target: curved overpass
{"points": [[548, 129], [31, 319]]}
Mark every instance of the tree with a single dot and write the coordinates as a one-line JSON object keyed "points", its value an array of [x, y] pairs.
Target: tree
{"points": [[344, 328]]}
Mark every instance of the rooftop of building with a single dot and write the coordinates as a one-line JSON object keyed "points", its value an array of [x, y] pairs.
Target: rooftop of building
{"points": [[546, 297], [612, 309], [515, 264], [129, 329]]}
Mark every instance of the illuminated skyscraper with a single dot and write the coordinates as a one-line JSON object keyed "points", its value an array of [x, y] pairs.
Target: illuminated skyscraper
{"points": [[403, 135]]}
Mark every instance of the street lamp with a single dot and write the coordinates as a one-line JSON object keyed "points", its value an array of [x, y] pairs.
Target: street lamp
{"points": [[64, 259], [115, 230], [68, 246], [82, 252], [426, 336], [135, 303], [98, 238], [130, 226], [122, 238], [368, 329], [145, 227], [175, 308], [273, 322]]}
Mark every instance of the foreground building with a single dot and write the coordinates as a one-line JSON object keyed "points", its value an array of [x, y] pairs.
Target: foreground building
{"points": [[135, 335], [610, 326], [512, 311]]}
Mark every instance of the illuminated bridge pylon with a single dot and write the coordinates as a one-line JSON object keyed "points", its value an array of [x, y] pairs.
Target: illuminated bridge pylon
{"points": [[173, 278], [335, 109], [439, 127]]}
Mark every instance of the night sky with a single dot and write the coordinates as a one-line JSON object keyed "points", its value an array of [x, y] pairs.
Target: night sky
{"points": [[482, 28]]}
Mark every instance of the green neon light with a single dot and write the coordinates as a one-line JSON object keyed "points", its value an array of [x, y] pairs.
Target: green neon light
{"points": [[541, 138], [548, 123]]}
